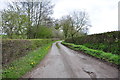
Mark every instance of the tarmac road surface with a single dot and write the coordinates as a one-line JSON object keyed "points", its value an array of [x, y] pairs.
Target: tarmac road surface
{"points": [[62, 62]]}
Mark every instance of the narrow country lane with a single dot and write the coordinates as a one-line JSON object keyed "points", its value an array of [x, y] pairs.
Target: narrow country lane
{"points": [[62, 62]]}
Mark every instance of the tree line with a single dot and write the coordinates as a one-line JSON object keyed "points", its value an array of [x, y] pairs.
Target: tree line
{"points": [[32, 19]]}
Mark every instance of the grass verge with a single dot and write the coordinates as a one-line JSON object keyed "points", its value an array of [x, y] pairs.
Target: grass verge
{"points": [[12, 49], [24, 64], [112, 58], [57, 45]]}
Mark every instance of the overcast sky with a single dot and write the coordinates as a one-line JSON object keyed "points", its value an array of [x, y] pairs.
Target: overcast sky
{"points": [[103, 14]]}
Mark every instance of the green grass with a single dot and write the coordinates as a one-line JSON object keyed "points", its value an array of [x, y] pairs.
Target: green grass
{"points": [[57, 45], [107, 42], [24, 64], [16, 48], [113, 58], [111, 47]]}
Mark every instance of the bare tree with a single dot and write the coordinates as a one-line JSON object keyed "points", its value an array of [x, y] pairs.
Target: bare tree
{"points": [[76, 23], [81, 21]]}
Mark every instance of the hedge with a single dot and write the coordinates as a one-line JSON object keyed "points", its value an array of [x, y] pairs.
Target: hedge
{"points": [[16, 48], [113, 58], [17, 68], [107, 42]]}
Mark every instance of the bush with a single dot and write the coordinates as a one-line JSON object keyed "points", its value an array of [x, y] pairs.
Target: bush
{"points": [[44, 32], [13, 49], [107, 42]]}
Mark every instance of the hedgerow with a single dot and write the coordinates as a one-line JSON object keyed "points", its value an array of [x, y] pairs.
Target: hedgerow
{"points": [[13, 49], [108, 42], [17, 68], [113, 58]]}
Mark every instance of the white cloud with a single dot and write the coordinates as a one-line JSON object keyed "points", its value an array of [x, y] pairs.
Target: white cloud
{"points": [[3, 5]]}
